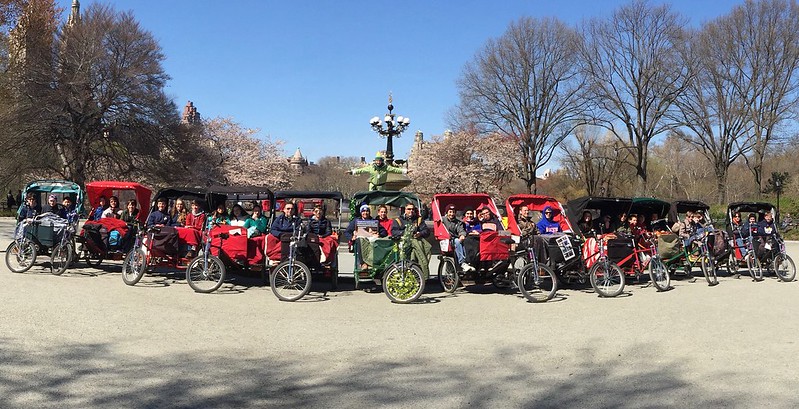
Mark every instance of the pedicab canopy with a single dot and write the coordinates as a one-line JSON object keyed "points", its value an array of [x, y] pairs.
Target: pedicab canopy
{"points": [[188, 194], [646, 206], [535, 203], [680, 207], [124, 191], [221, 194], [385, 197], [40, 188], [461, 201], [598, 206]]}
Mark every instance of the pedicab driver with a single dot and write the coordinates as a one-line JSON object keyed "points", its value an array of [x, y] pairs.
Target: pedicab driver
{"points": [[378, 172], [421, 250], [457, 233]]}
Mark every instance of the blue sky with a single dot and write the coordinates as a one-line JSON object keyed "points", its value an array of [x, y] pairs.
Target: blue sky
{"points": [[312, 73]]}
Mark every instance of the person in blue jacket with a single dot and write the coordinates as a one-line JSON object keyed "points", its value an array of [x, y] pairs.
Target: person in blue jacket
{"points": [[547, 224], [159, 217]]}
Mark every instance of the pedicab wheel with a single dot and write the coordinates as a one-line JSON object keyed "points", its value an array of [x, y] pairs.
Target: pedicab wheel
{"points": [[755, 269], [20, 256], [290, 281], [60, 258], [732, 264], [134, 267], [205, 277], [784, 267], [659, 275], [607, 279], [448, 275], [709, 270], [403, 283], [537, 286], [334, 275]]}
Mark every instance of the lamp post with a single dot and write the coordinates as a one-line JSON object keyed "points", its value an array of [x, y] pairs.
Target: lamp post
{"points": [[778, 189], [390, 127]]}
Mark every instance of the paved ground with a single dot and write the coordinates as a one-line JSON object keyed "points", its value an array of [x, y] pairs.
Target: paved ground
{"points": [[86, 340]]}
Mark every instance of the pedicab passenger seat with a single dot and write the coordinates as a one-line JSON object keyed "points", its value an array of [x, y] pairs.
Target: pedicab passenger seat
{"points": [[669, 246]]}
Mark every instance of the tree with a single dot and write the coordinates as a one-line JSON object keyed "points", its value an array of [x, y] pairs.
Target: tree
{"points": [[97, 106], [245, 159], [715, 109], [463, 161], [329, 174], [768, 31], [634, 66], [525, 85], [596, 161]]}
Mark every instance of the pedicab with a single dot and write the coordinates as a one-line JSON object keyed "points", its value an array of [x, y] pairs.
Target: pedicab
{"points": [[759, 248], [307, 252], [603, 251], [490, 254], [46, 234], [403, 279], [711, 244], [165, 248], [111, 238]]}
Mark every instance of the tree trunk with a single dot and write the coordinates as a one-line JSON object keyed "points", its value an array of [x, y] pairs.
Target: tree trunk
{"points": [[721, 184]]}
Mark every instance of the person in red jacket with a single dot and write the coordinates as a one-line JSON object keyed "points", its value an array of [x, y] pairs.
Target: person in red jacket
{"points": [[382, 218]]}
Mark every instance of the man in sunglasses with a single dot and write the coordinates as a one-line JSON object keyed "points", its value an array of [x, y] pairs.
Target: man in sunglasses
{"points": [[421, 249], [547, 224]]}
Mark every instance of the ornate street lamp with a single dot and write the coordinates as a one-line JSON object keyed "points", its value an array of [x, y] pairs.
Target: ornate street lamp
{"points": [[390, 127]]}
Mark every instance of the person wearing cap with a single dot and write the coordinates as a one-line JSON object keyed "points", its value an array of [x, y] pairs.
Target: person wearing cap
{"points": [[457, 233], [365, 214], [30, 209], [421, 250], [378, 172], [52, 206], [364, 246]]}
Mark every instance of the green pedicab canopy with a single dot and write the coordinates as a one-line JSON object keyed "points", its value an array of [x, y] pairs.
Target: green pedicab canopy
{"points": [[382, 197]]}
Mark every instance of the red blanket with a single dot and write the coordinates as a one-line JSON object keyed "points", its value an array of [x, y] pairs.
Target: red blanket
{"points": [[491, 248], [111, 224], [329, 246], [189, 236], [237, 246]]}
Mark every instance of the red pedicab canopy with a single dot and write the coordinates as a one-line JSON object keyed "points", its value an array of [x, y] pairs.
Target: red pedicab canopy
{"points": [[124, 191], [536, 203], [461, 202]]}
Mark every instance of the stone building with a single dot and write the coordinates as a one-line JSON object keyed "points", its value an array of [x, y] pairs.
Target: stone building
{"points": [[190, 115], [297, 162]]}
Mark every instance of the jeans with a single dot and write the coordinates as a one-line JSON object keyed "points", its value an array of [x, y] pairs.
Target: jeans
{"points": [[460, 255]]}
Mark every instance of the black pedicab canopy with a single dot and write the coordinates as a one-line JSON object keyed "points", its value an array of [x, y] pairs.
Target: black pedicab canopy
{"points": [[680, 207], [612, 206], [759, 208], [188, 194]]}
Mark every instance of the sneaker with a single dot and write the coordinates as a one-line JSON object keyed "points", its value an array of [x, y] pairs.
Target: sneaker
{"points": [[466, 267]]}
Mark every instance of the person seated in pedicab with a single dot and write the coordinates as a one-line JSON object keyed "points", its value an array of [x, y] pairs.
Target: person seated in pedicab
{"points": [[70, 212], [656, 223], [196, 218], [283, 227], [586, 224], [31, 208], [363, 228], [320, 235], [257, 223], [488, 221], [219, 216], [382, 218], [530, 234], [605, 225], [52, 207], [457, 234], [632, 228], [470, 222], [318, 223], [131, 213], [238, 215], [159, 217], [421, 249], [547, 224], [179, 213], [97, 212]]}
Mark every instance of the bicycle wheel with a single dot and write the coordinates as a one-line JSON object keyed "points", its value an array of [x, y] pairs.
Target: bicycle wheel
{"points": [[709, 270], [753, 264], [607, 279], [20, 256], [290, 281], [134, 266], [448, 275], [205, 277], [60, 258], [659, 275], [732, 264], [537, 285], [403, 282], [784, 267]]}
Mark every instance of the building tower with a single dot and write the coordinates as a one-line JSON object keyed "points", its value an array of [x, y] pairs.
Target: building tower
{"points": [[190, 115], [74, 14], [297, 161]]}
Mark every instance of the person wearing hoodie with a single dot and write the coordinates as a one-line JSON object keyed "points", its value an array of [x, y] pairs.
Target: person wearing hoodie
{"points": [[547, 224]]}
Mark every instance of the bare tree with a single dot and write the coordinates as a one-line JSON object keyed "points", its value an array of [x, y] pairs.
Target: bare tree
{"points": [[327, 174], [715, 109], [526, 85], [596, 161], [97, 106], [768, 31], [634, 68]]}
